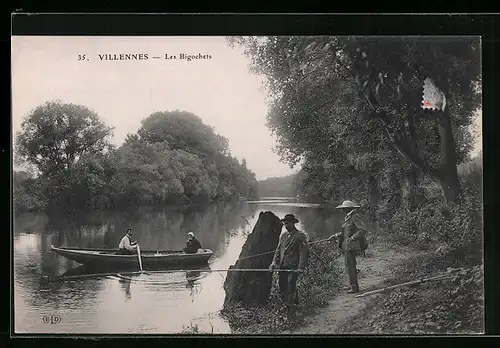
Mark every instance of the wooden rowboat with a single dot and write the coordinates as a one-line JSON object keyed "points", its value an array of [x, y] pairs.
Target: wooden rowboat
{"points": [[150, 259]]}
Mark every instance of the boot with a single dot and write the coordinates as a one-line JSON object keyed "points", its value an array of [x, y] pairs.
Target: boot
{"points": [[292, 313], [353, 290]]}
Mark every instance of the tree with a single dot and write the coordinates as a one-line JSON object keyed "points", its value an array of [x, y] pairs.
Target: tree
{"points": [[367, 95], [19, 178], [55, 136], [278, 186], [183, 130], [175, 158], [25, 195]]}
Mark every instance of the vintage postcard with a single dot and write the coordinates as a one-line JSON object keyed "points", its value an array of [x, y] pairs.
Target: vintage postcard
{"points": [[247, 185]]}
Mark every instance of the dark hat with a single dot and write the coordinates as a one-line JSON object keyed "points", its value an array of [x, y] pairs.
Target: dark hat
{"points": [[290, 218]]}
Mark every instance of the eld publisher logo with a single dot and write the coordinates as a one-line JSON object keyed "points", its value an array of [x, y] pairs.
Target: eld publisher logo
{"points": [[51, 319]]}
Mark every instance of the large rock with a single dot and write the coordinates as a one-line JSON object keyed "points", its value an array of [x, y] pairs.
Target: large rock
{"points": [[253, 288]]}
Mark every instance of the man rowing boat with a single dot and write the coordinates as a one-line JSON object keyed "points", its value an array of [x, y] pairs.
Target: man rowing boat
{"points": [[126, 246], [291, 254]]}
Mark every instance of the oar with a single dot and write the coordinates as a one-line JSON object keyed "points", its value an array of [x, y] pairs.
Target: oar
{"points": [[139, 256]]}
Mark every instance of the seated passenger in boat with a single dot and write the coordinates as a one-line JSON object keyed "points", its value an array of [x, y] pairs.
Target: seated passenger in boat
{"points": [[126, 246], [192, 244]]}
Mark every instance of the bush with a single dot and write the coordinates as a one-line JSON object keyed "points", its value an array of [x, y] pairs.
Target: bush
{"points": [[315, 288], [471, 178], [458, 227], [26, 197], [191, 330]]}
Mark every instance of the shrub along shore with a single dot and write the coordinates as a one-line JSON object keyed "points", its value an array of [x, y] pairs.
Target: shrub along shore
{"points": [[316, 287]]}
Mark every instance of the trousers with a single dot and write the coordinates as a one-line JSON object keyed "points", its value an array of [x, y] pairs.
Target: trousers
{"points": [[287, 282], [350, 267]]}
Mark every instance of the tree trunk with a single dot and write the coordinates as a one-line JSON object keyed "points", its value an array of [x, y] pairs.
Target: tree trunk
{"points": [[450, 185], [412, 192], [373, 196], [446, 176], [253, 288], [448, 179]]}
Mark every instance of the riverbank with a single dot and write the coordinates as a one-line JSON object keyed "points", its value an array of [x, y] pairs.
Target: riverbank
{"points": [[453, 305], [316, 286]]}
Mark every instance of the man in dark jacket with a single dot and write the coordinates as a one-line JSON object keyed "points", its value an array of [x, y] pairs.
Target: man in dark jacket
{"points": [[291, 254], [192, 244], [350, 241]]}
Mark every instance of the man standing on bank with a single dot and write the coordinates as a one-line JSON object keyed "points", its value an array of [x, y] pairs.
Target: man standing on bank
{"points": [[291, 254], [351, 240]]}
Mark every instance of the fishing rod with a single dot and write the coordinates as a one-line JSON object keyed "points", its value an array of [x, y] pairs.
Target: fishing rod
{"points": [[273, 251]]}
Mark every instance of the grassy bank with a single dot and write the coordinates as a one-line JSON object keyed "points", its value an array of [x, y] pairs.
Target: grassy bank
{"points": [[316, 286], [451, 236], [452, 306]]}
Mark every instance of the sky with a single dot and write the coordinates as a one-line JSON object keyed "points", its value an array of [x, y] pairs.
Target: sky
{"points": [[220, 90]]}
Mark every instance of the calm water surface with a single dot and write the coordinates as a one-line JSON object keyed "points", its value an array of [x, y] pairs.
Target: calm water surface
{"points": [[152, 303]]}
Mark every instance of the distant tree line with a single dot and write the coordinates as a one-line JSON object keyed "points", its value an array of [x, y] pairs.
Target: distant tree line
{"points": [[174, 158], [286, 186]]}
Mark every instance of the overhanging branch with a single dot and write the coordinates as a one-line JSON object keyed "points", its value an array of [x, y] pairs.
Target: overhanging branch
{"points": [[401, 147], [399, 144]]}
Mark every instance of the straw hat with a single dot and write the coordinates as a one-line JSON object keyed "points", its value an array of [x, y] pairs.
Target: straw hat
{"points": [[347, 204], [191, 234]]}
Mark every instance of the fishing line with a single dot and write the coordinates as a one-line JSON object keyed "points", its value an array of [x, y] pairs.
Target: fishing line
{"points": [[325, 264], [273, 251]]}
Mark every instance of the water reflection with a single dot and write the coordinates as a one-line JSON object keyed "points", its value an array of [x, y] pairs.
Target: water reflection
{"points": [[125, 285], [192, 284], [165, 301], [191, 276], [154, 230]]}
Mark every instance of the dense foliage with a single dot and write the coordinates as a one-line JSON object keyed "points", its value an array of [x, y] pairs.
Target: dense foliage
{"points": [[172, 159], [350, 110]]}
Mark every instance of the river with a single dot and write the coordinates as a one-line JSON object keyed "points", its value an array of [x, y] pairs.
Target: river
{"points": [[162, 303]]}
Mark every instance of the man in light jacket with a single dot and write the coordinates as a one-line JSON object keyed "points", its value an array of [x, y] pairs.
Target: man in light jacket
{"points": [[126, 246], [350, 241]]}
